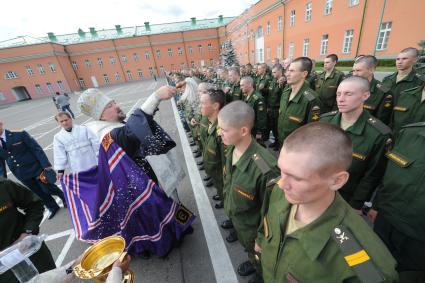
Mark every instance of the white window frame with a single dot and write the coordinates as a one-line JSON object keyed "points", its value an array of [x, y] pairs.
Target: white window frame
{"points": [[308, 11], [117, 76], [292, 18], [352, 3], [306, 46], [87, 63], [268, 54], [348, 41], [136, 57], [30, 72], [151, 72], [324, 43], [124, 58], [140, 73], [129, 75], [100, 62], [50, 89], [161, 69], [61, 86], [170, 52], [328, 7], [179, 51], [2, 96], [268, 27], [10, 75], [147, 55], [38, 89], [383, 36], [82, 83], [210, 47], [73, 63], [279, 24], [112, 60], [279, 51], [158, 54], [52, 67], [291, 49], [106, 79], [200, 48]]}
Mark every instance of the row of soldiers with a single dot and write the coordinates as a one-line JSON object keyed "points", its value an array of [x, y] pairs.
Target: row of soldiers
{"points": [[372, 114]]}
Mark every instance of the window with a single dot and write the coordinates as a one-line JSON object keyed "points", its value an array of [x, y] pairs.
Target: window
{"points": [[52, 67], [147, 55], [82, 83], [200, 48], [260, 32], [29, 70], [170, 52], [279, 51], [189, 48], [2, 96], [307, 17], [268, 55], [61, 86], [50, 88], [291, 50], [129, 75], [136, 57], [73, 63], [348, 40], [328, 7], [117, 76], [180, 51], [211, 62], [324, 44], [292, 19], [140, 73], [353, 2], [268, 28], [42, 72], [252, 56], [38, 89], [158, 53], [383, 36], [246, 56], [279, 24], [260, 55], [306, 46], [151, 73], [210, 47], [161, 69], [124, 58], [106, 79], [100, 62], [182, 65], [87, 63], [112, 60], [10, 75]]}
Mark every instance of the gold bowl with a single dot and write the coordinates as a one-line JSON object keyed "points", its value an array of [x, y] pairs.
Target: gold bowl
{"points": [[98, 259]]}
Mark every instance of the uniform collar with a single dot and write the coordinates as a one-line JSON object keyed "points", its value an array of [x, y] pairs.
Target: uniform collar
{"points": [[373, 84], [297, 97], [409, 78], [314, 237], [358, 127], [213, 126], [245, 159]]}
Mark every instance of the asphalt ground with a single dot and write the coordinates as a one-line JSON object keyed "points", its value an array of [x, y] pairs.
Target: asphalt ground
{"points": [[204, 256]]}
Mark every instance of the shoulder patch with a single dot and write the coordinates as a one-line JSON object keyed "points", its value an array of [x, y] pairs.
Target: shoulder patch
{"points": [[413, 89], [420, 124], [383, 87], [309, 96], [261, 163], [380, 126], [327, 114]]}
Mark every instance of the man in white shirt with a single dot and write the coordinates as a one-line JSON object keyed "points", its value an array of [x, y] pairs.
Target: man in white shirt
{"points": [[75, 148]]}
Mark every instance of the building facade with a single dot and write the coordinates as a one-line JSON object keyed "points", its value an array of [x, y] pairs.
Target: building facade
{"points": [[37, 67]]}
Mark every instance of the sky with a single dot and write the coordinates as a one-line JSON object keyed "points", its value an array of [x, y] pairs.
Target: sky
{"points": [[36, 18]]}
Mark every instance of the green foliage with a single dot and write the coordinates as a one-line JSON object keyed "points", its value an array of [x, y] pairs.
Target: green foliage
{"points": [[228, 55]]}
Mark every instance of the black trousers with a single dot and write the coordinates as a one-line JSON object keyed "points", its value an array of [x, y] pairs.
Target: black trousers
{"points": [[44, 191]]}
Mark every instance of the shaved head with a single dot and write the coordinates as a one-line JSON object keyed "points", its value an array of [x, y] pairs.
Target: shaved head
{"points": [[237, 114]]}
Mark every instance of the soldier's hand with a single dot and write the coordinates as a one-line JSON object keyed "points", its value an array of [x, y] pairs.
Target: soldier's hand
{"points": [[281, 81], [226, 89], [180, 85], [124, 264], [257, 248], [258, 136], [372, 215], [165, 92], [193, 122]]}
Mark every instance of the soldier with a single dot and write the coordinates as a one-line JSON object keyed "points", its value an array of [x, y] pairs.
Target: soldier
{"points": [[286, 62], [248, 168], [213, 154], [262, 80], [299, 104], [249, 71], [308, 233], [327, 82], [222, 77], [254, 99], [233, 91], [406, 76], [370, 138], [311, 79], [275, 61], [273, 101], [410, 108], [400, 203], [27, 161], [210, 76], [380, 101], [21, 212]]}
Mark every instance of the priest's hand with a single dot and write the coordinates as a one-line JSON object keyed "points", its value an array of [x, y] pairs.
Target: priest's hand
{"points": [[165, 92]]}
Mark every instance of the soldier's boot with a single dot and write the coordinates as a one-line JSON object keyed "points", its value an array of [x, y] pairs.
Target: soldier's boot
{"points": [[257, 278], [199, 162], [216, 197], [219, 205], [246, 268], [197, 154], [209, 183], [206, 178], [232, 237], [227, 224]]}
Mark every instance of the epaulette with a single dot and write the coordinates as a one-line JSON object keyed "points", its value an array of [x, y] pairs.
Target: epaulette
{"points": [[327, 114], [355, 256], [413, 89], [383, 88], [273, 182], [420, 76], [419, 124], [261, 164], [380, 126], [310, 97]]}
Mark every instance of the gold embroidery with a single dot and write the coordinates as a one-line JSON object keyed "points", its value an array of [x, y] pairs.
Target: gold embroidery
{"points": [[359, 156]]}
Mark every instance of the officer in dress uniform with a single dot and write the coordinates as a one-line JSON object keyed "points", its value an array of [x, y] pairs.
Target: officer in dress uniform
{"points": [[248, 168], [308, 233], [370, 137], [27, 161]]}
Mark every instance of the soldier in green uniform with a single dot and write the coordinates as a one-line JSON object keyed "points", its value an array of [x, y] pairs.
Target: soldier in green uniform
{"points": [[273, 102], [299, 104], [405, 77], [409, 108], [262, 80], [233, 91], [380, 101], [21, 212], [311, 79], [213, 152], [399, 206], [249, 71], [222, 77], [254, 99], [327, 82], [308, 232], [210, 76], [370, 138], [248, 168]]}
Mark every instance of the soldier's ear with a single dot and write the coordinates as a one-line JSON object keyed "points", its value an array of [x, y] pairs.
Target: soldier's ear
{"points": [[338, 180]]}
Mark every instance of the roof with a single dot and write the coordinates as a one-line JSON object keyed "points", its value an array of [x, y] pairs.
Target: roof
{"points": [[87, 36]]}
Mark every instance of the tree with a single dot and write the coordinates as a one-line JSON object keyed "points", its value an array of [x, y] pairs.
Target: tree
{"points": [[228, 56]]}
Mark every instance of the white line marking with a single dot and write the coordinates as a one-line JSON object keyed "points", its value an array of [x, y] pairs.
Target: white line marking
{"points": [[59, 235], [223, 268], [65, 249]]}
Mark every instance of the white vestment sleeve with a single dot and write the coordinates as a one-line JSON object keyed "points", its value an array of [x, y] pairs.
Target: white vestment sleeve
{"points": [[60, 159], [94, 141], [151, 104], [115, 275]]}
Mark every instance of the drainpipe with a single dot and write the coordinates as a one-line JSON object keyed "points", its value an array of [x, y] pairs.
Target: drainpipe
{"points": [[379, 26], [361, 28]]}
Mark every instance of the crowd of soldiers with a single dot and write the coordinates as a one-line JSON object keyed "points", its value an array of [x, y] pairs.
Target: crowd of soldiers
{"points": [[276, 208]]}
